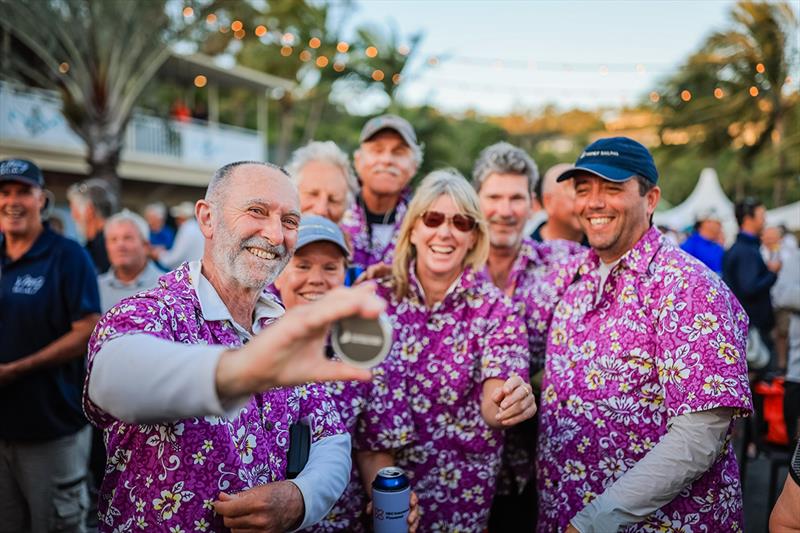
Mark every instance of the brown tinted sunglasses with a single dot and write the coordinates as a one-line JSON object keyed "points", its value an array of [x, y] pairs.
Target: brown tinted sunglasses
{"points": [[434, 219]]}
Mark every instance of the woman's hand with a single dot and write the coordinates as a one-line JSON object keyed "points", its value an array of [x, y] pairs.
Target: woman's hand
{"points": [[413, 512]]}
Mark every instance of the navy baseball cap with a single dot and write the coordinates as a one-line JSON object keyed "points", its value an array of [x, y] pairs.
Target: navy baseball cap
{"points": [[22, 171], [615, 159], [314, 228]]}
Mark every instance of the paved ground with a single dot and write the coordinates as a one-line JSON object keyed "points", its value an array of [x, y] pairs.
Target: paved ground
{"points": [[756, 494]]}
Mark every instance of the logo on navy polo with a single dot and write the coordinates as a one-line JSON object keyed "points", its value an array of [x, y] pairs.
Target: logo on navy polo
{"points": [[14, 167], [27, 284]]}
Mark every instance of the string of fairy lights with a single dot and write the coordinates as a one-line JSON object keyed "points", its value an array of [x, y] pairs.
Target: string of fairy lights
{"points": [[291, 47]]}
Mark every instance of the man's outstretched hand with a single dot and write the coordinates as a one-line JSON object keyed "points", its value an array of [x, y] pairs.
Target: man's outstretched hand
{"points": [[291, 351]]}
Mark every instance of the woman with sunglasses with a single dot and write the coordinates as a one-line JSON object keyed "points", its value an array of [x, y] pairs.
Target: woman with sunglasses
{"points": [[460, 350]]}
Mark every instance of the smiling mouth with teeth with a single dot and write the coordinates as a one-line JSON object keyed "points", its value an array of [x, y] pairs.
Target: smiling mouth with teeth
{"points": [[311, 296], [442, 249], [599, 221], [262, 254]]}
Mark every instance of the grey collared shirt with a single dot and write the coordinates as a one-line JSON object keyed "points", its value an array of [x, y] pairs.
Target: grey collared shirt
{"points": [[112, 290]]}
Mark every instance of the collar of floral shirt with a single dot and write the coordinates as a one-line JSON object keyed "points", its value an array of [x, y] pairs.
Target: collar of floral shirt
{"points": [[528, 254], [465, 281], [213, 308], [637, 258]]}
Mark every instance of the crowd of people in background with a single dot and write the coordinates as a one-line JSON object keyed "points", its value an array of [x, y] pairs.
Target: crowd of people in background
{"points": [[558, 362]]}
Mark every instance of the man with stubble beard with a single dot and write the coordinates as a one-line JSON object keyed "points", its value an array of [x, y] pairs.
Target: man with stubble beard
{"points": [[529, 273]]}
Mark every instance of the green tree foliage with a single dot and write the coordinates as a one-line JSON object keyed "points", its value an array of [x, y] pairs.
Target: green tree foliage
{"points": [[99, 55], [734, 96]]}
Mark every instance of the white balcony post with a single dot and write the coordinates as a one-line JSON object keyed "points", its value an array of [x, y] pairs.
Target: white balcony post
{"points": [[213, 104]]}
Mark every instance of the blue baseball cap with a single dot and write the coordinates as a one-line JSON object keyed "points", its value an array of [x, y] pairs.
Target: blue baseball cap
{"points": [[22, 171], [614, 159], [314, 228]]}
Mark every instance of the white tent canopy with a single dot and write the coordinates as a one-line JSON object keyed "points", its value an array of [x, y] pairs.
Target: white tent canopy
{"points": [[788, 215], [706, 198]]}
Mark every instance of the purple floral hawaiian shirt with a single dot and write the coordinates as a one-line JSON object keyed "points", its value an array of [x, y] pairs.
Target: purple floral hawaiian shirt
{"points": [[358, 403], [354, 224], [538, 277], [444, 354], [665, 337], [164, 477]]}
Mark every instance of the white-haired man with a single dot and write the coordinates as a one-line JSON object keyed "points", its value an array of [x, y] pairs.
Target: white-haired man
{"points": [[127, 243], [195, 385], [325, 180]]}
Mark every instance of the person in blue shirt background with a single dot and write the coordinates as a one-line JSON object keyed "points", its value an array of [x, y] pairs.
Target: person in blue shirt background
{"points": [[49, 305], [161, 234], [704, 242]]}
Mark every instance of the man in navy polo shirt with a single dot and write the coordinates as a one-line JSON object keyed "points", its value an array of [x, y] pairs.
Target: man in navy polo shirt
{"points": [[49, 304]]}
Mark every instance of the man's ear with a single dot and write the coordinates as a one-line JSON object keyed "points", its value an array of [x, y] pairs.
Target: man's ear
{"points": [[653, 196], [205, 218]]}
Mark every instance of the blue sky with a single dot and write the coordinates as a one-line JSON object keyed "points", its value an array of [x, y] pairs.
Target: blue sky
{"points": [[499, 56]]}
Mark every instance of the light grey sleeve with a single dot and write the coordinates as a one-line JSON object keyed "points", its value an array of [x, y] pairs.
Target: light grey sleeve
{"points": [[691, 446], [141, 379], [324, 477], [786, 291]]}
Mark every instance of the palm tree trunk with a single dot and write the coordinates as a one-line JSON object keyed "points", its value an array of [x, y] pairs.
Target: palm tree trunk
{"points": [[781, 178], [287, 118], [104, 148], [314, 117]]}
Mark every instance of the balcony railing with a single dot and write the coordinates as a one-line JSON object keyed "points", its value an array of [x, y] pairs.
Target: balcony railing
{"points": [[33, 117]]}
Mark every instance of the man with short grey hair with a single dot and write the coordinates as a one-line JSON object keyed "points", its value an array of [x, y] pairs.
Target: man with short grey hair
{"points": [[91, 202], [325, 180], [505, 178], [127, 242], [386, 160]]}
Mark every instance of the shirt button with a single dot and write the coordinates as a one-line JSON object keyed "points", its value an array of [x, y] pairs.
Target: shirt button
{"points": [[268, 425]]}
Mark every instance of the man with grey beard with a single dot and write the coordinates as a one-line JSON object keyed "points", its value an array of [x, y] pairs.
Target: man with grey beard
{"points": [[196, 394]]}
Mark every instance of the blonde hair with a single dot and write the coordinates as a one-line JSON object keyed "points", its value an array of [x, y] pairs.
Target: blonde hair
{"points": [[436, 184]]}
